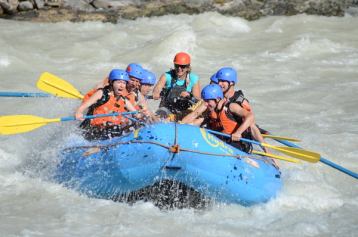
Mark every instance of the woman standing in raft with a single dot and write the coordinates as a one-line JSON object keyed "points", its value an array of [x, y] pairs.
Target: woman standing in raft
{"points": [[113, 98]]}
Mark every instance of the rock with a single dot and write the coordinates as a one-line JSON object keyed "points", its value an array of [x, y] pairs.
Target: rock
{"points": [[325, 8], [25, 6], [112, 10], [9, 6], [1, 11], [121, 3], [54, 3], [101, 4], [352, 11], [198, 3], [79, 5], [39, 4], [281, 7]]}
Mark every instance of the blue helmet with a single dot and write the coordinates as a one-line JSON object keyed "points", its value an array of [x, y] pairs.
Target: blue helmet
{"points": [[227, 74], [135, 70], [214, 79], [149, 78], [118, 74], [212, 92]]}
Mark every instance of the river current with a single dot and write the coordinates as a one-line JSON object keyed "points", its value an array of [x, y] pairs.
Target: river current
{"points": [[300, 74]]}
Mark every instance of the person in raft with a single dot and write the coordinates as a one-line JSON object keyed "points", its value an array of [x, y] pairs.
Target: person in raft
{"points": [[146, 87], [223, 112], [177, 88], [147, 84], [134, 71], [113, 98], [136, 75], [213, 80]]}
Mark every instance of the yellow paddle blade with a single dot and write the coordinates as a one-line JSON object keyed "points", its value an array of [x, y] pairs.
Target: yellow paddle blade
{"points": [[14, 124], [305, 155], [57, 86], [276, 156], [281, 138]]}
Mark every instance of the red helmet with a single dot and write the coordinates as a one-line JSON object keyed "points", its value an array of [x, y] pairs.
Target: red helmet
{"points": [[182, 59]]}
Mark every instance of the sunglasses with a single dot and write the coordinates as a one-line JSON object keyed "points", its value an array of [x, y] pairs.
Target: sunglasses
{"points": [[177, 66]]}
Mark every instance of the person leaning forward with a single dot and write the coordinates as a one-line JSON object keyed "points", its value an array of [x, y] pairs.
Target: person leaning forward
{"points": [[226, 114]]}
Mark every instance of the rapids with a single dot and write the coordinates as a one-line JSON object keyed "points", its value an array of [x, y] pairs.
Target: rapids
{"points": [[300, 74]]}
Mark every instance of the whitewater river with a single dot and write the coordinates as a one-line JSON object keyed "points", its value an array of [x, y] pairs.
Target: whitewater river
{"points": [[300, 74]]}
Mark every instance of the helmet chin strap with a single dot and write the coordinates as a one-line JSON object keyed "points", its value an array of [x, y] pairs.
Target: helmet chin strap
{"points": [[227, 89], [217, 109]]}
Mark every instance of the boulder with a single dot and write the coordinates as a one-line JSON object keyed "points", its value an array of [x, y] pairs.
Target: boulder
{"points": [[54, 3], [123, 3], [39, 4], [25, 6], [102, 4], [79, 5], [9, 6]]}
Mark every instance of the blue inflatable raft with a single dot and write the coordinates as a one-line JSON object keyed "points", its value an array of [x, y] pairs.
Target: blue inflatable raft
{"points": [[181, 153]]}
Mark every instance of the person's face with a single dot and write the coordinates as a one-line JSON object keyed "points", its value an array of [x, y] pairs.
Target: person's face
{"points": [[134, 83], [211, 104], [225, 85], [119, 87], [145, 89], [181, 69]]}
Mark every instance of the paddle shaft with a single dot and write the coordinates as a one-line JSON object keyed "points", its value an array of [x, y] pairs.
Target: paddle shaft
{"points": [[275, 156], [229, 136], [324, 161], [23, 94], [305, 155], [71, 118], [14, 124]]}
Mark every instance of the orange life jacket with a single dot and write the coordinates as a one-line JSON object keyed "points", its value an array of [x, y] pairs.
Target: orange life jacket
{"points": [[105, 83], [227, 122], [89, 94], [112, 105], [224, 120], [213, 122]]}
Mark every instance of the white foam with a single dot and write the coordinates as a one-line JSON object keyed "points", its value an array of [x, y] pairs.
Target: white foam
{"points": [[276, 27], [4, 62], [183, 39], [8, 160], [221, 25], [299, 73]]}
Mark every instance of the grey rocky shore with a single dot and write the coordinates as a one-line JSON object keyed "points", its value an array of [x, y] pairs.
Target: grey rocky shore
{"points": [[112, 11]]}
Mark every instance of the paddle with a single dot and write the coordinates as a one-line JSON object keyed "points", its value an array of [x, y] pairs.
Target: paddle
{"points": [[23, 94], [291, 151], [281, 138], [323, 160], [14, 124], [57, 86], [275, 156]]}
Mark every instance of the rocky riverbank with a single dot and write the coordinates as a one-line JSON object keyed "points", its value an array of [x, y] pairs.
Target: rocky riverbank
{"points": [[112, 11]]}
